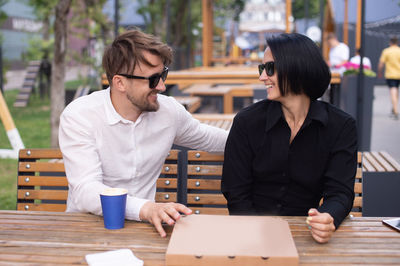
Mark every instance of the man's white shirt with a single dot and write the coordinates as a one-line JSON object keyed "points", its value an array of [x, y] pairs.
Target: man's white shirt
{"points": [[102, 149], [338, 54]]}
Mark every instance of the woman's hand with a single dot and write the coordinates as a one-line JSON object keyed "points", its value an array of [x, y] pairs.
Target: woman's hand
{"points": [[321, 225]]}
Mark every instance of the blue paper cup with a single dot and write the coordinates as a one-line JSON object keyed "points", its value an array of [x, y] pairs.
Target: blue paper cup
{"points": [[113, 204]]}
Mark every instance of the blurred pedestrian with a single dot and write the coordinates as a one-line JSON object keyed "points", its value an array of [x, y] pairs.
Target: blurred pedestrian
{"points": [[339, 53], [356, 60], [390, 59]]}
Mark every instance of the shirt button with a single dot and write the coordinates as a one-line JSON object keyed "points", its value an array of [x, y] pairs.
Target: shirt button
{"points": [[283, 188], [279, 205], [283, 174]]}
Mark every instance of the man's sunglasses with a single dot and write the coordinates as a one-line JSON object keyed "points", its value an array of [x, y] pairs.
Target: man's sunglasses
{"points": [[153, 79], [269, 68]]}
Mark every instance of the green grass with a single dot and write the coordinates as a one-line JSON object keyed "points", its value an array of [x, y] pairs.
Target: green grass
{"points": [[33, 124]]}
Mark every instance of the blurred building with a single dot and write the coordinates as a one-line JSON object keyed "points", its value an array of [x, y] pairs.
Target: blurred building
{"points": [[20, 26]]}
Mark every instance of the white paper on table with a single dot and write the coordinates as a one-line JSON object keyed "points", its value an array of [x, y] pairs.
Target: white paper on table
{"points": [[120, 257]]}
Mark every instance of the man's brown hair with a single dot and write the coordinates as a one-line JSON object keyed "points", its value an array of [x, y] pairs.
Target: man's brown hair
{"points": [[127, 49], [393, 40]]}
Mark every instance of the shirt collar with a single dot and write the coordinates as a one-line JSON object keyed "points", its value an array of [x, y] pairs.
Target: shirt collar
{"points": [[112, 115], [316, 112]]}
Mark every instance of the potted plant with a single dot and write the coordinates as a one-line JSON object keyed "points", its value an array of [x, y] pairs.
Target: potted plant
{"points": [[359, 106]]}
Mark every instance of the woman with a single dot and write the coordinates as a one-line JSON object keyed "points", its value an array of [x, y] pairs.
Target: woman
{"points": [[285, 153]]}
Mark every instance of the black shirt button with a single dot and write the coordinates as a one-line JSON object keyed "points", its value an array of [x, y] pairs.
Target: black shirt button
{"points": [[283, 188], [279, 205], [283, 174]]}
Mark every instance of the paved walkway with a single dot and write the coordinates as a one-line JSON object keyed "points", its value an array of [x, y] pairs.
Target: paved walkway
{"points": [[385, 135]]}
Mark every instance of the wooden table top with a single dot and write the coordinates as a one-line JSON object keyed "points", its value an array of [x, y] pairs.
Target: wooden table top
{"points": [[221, 75], [48, 238]]}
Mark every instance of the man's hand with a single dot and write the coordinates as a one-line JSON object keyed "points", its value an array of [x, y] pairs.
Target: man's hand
{"points": [[156, 213], [321, 225]]}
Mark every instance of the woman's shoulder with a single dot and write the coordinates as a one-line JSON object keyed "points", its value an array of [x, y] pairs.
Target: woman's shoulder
{"points": [[336, 111], [255, 110]]}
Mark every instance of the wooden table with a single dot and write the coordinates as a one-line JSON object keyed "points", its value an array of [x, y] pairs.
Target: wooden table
{"points": [[221, 75], [217, 75], [48, 238], [227, 92]]}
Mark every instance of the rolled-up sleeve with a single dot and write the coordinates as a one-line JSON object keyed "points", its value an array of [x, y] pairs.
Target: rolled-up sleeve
{"points": [[193, 134]]}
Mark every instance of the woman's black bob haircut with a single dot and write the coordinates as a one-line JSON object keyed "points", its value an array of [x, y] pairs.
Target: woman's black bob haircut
{"points": [[299, 65]]}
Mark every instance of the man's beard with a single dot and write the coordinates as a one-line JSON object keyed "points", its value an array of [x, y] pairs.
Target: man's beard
{"points": [[144, 104]]}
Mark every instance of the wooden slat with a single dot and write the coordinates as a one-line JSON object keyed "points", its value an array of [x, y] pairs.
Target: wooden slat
{"points": [[41, 207], [40, 167], [210, 184], [167, 182], [42, 181], [373, 162], [357, 202], [205, 210], [205, 156], [173, 155], [40, 154], [382, 161], [359, 173], [390, 159], [358, 188], [166, 196], [197, 169], [367, 167], [42, 194], [169, 169], [211, 199]]}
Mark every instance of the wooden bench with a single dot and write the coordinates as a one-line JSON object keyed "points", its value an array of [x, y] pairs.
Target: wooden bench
{"points": [[379, 162], [194, 180], [43, 186], [381, 182]]}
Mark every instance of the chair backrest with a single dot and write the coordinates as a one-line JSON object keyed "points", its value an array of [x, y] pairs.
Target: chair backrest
{"points": [[43, 186], [204, 171]]}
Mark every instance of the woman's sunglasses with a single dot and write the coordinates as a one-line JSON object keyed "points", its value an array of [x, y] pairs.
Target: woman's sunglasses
{"points": [[269, 68], [153, 79]]}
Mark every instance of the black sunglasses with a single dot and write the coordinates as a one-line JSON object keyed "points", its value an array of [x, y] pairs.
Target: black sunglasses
{"points": [[269, 68], [153, 79]]}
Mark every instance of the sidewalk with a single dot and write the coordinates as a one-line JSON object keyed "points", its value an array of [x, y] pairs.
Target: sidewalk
{"points": [[385, 135]]}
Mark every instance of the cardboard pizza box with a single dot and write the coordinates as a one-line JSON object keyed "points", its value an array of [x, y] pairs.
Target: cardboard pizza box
{"points": [[231, 240]]}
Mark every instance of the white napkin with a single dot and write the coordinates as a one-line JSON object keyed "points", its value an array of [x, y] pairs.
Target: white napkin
{"points": [[120, 257]]}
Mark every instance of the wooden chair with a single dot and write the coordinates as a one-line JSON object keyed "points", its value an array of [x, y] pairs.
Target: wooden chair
{"points": [[43, 186], [204, 171]]}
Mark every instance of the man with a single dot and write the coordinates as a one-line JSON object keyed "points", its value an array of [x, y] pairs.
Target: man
{"points": [[390, 58], [357, 60], [120, 137], [339, 52]]}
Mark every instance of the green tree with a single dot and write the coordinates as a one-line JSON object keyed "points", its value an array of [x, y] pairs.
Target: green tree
{"points": [[298, 8], [156, 13]]}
